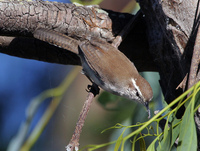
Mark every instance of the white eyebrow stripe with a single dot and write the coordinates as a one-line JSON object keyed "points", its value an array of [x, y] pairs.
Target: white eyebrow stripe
{"points": [[138, 89]]}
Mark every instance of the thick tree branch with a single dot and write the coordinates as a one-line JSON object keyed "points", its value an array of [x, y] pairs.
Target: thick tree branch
{"points": [[21, 19], [169, 27]]}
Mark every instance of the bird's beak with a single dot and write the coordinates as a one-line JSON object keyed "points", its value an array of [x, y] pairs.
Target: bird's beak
{"points": [[148, 110]]}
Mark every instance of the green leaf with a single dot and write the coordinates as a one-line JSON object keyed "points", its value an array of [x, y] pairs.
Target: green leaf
{"points": [[175, 131], [188, 137], [142, 144], [166, 141], [197, 98], [174, 148], [152, 146], [118, 143]]}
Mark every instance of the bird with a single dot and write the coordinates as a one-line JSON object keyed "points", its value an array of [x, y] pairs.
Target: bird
{"points": [[104, 65]]}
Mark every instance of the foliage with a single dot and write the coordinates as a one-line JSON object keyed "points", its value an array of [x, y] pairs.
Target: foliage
{"points": [[182, 129], [86, 2]]}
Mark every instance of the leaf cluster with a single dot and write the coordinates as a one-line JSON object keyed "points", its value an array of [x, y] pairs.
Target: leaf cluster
{"points": [[178, 134]]}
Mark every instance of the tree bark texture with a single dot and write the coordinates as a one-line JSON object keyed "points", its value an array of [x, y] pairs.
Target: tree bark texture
{"points": [[170, 26], [20, 19]]}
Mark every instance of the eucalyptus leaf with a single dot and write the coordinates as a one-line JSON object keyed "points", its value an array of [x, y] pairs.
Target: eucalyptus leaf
{"points": [[118, 143], [175, 131], [166, 141], [152, 146], [142, 144], [188, 136], [197, 98]]}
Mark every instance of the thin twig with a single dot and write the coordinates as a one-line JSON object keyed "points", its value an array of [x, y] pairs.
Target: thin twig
{"points": [[195, 61], [74, 142]]}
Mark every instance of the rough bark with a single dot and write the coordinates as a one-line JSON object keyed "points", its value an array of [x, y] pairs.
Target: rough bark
{"points": [[21, 19], [173, 39], [170, 26]]}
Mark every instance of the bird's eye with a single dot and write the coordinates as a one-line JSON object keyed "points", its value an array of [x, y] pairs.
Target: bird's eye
{"points": [[137, 94]]}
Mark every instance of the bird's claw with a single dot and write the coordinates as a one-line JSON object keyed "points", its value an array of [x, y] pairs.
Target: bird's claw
{"points": [[71, 147]]}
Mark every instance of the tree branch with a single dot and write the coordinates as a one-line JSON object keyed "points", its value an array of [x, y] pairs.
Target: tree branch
{"points": [[21, 19], [169, 28]]}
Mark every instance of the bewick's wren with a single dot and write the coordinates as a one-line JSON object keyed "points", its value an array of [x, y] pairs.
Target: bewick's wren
{"points": [[104, 65]]}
